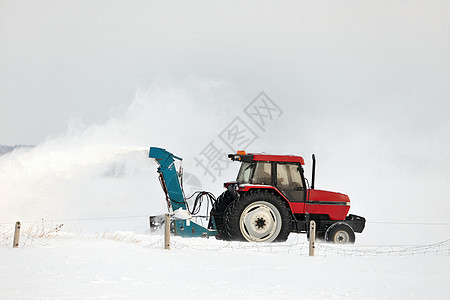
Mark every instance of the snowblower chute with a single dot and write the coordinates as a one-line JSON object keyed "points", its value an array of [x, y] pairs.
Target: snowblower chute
{"points": [[182, 224]]}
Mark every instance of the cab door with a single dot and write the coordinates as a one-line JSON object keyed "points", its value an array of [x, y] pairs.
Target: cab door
{"points": [[290, 182]]}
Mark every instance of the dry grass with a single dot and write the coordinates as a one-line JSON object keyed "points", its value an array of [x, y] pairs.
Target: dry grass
{"points": [[42, 233], [120, 237]]}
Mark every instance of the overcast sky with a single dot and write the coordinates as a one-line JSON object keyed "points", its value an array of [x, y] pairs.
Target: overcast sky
{"points": [[363, 84], [383, 60]]}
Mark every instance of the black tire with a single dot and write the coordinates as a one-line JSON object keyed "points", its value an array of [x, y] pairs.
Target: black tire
{"points": [[218, 212], [340, 233], [258, 216]]}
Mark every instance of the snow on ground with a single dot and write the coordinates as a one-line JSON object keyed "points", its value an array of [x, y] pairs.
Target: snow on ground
{"points": [[126, 265]]}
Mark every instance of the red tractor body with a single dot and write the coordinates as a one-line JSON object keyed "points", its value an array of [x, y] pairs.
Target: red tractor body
{"points": [[271, 198], [335, 205]]}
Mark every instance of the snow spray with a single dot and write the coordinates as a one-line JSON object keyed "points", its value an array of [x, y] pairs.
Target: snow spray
{"points": [[102, 171]]}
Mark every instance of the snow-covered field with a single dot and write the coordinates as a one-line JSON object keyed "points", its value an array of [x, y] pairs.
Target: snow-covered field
{"points": [[126, 265]]}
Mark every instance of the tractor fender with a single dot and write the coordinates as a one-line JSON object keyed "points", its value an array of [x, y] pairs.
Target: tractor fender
{"points": [[253, 187]]}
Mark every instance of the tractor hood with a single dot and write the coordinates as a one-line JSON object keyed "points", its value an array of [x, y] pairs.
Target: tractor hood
{"points": [[336, 205], [327, 196]]}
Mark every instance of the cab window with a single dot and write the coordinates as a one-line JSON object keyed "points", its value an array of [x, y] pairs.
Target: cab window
{"points": [[288, 176], [263, 173], [245, 172]]}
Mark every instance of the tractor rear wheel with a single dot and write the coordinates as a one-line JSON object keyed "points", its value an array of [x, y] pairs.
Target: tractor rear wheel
{"points": [[340, 233], [258, 217], [218, 212]]}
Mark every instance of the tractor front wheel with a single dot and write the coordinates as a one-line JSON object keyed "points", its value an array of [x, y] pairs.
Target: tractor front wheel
{"points": [[340, 233], [258, 217]]}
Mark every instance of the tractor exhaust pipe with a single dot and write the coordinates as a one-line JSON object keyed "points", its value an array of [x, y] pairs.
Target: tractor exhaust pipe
{"points": [[313, 171]]}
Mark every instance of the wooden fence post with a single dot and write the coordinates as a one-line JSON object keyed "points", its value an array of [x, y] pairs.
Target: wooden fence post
{"points": [[312, 237], [167, 232], [16, 235]]}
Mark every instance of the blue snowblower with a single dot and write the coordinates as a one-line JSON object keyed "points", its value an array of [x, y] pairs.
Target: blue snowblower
{"points": [[181, 224]]}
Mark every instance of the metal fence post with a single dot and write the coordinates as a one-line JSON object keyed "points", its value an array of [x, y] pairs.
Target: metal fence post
{"points": [[167, 232], [16, 235], [312, 237]]}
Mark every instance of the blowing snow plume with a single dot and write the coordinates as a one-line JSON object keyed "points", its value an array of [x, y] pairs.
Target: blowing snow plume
{"points": [[104, 170]]}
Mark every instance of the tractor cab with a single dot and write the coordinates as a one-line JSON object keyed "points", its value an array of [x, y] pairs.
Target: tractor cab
{"points": [[283, 172]]}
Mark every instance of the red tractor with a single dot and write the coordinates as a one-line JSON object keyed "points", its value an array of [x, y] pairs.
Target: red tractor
{"points": [[271, 198]]}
